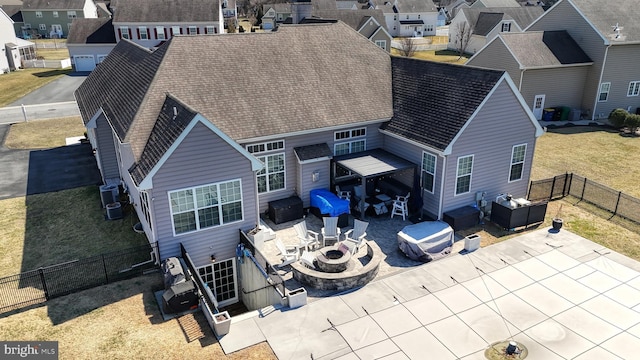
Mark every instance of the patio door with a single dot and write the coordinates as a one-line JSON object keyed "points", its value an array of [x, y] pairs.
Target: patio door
{"points": [[538, 106], [221, 279]]}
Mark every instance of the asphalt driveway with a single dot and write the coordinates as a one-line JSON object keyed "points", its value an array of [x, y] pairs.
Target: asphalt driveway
{"points": [[60, 90], [27, 172]]}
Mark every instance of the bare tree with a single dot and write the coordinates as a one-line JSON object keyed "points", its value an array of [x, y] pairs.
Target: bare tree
{"points": [[462, 37], [407, 46]]}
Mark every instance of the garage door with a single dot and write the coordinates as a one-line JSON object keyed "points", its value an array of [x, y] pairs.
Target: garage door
{"points": [[84, 62]]}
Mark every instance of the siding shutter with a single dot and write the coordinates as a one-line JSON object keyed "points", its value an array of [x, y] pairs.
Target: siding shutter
{"points": [[166, 31], [181, 30], [129, 31], [149, 33], [215, 30], [198, 30], [171, 31], [119, 33], [138, 31], [155, 32]]}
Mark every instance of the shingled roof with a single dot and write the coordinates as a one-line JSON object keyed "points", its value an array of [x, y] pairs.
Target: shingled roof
{"points": [[53, 5], [131, 84], [353, 18], [13, 11], [91, 31], [432, 101], [485, 19], [544, 48], [604, 15], [163, 11]]}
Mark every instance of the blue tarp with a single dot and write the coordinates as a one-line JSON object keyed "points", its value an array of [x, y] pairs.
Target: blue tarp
{"points": [[328, 202]]}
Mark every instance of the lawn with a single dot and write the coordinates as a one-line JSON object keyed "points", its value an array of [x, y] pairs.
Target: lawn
{"points": [[446, 56], [17, 84], [43, 134], [53, 54]]}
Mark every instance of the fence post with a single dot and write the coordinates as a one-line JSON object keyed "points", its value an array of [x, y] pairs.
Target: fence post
{"points": [[564, 188], [44, 284], [570, 183], [617, 203], [24, 112], [553, 186], [530, 186], [104, 266], [584, 186]]}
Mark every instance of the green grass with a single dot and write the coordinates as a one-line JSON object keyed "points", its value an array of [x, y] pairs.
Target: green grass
{"points": [[17, 84], [43, 134]]}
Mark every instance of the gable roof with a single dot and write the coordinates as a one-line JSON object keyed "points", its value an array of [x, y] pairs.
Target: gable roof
{"points": [[324, 5], [485, 19], [429, 103], [405, 6], [486, 22], [33, 5], [496, 3], [91, 31], [13, 11], [279, 7], [174, 11], [604, 15], [130, 85], [354, 18], [544, 48]]}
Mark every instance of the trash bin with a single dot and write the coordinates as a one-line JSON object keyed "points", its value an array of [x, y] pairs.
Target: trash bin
{"points": [[547, 114], [472, 242], [557, 114], [565, 111]]}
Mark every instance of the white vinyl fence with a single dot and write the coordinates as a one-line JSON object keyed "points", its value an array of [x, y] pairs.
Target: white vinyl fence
{"points": [[23, 113], [48, 64]]}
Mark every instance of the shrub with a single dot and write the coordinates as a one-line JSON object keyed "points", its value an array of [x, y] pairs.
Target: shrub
{"points": [[618, 117], [632, 121]]}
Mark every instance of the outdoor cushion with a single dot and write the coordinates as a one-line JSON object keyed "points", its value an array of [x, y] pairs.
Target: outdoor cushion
{"points": [[328, 202]]}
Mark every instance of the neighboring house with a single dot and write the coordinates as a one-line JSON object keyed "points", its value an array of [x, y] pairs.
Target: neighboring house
{"points": [[53, 18], [274, 14], [481, 4], [13, 50], [610, 35], [486, 24], [13, 9], [408, 17], [452, 9], [368, 22], [150, 23], [89, 42], [202, 157], [549, 67]]}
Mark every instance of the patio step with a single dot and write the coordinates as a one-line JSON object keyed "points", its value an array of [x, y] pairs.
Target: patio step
{"points": [[191, 327]]}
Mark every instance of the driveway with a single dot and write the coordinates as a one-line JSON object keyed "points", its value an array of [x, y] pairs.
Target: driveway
{"points": [[60, 90], [27, 172]]}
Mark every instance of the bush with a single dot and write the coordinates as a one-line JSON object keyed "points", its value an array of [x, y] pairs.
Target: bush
{"points": [[632, 121], [618, 118]]}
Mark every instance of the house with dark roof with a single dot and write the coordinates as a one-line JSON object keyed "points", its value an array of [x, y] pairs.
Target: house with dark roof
{"points": [[609, 33], [13, 50], [201, 157], [548, 67], [89, 42], [486, 23], [150, 23], [53, 18], [408, 17], [13, 9]]}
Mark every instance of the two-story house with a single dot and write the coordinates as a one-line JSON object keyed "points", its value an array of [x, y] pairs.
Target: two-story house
{"points": [[408, 17], [368, 22], [202, 157], [12, 49], [53, 18], [13, 9], [150, 23], [89, 42]]}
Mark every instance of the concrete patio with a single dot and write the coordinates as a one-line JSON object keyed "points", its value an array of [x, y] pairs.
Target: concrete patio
{"points": [[560, 295]]}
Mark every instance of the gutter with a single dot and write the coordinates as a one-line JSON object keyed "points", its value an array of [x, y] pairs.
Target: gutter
{"points": [[604, 63]]}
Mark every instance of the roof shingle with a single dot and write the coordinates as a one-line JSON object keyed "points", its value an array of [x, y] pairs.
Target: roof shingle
{"points": [[174, 11], [53, 4], [548, 48], [91, 31]]}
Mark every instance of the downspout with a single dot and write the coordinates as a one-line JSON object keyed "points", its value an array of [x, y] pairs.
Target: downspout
{"points": [[520, 84], [255, 189], [604, 62], [444, 169]]}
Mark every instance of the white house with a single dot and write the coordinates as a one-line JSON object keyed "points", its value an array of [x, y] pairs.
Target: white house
{"points": [[408, 17]]}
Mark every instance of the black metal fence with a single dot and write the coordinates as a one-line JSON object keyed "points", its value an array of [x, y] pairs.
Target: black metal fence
{"points": [[37, 286], [614, 201], [275, 279], [208, 296]]}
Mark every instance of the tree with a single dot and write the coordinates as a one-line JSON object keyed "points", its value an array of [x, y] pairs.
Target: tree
{"points": [[632, 121], [407, 46], [462, 37], [231, 25], [618, 117]]}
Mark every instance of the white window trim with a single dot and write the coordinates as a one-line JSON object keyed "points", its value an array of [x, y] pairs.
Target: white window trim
{"points": [[507, 25], [600, 92], [71, 14], [235, 281], [381, 42], [351, 131], [42, 27], [633, 89], [195, 209], [38, 14], [143, 30], [455, 185], [266, 173], [435, 168], [190, 28], [55, 14], [210, 29], [124, 32], [161, 33], [355, 140], [175, 30], [145, 207], [511, 163], [265, 144]]}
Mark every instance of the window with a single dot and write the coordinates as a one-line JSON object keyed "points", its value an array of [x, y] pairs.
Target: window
{"points": [[265, 147], [271, 177], [382, 44], [395, 17], [38, 14], [634, 88], [210, 30], [124, 32], [42, 27], [429, 28], [221, 279], [418, 16], [142, 33], [176, 30], [407, 16], [55, 14], [160, 33], [192, 30], [71, 14], [206, 206], [349, 147], [506, 27], [604, 92], [517, 162], [463, 174], [428, 171], [144, 201]]}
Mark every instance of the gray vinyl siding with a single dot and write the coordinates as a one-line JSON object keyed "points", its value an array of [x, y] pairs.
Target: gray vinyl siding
{"points": [[497, 56], [374, 140], [500, 124], [369, 28], [413, 153], [622, 66], [561, 86], [564, 17], [108, 161], [381, 35], [202, 158], [305, 178]]}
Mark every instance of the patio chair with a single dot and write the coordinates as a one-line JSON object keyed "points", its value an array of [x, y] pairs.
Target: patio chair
{"points": [[306, 236], [330, 231], [355, 236], [343, 194], [307, 259], [289, 253], [400, 206]]}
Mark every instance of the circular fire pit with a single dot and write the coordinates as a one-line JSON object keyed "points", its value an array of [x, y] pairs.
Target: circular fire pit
{"points": [[332, 260]]}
